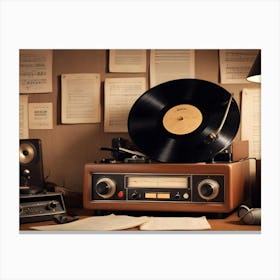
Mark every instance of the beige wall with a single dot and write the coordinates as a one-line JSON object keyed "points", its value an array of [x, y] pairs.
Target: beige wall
{"points": [[66, 148]]}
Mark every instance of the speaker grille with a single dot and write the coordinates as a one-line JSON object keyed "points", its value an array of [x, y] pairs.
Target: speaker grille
{"points": [[27, 153], [31, 165]]}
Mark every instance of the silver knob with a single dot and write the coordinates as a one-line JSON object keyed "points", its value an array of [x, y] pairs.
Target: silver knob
{"points": [[208, 189], [105, 187]]}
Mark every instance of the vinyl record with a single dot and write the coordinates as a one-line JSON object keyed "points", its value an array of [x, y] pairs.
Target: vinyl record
{"points": [[183, 121]]}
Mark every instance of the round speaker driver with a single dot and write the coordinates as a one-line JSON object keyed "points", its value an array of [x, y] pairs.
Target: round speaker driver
{"points": [[27, 153]]}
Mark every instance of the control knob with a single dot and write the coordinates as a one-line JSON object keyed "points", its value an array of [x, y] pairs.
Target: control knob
{"points": [[208, 189], [177, 196], [134, 195], [51, 205], [105, 187]]}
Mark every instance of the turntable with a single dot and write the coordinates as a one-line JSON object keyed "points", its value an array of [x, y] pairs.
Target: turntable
{"points": [[180, 127]]}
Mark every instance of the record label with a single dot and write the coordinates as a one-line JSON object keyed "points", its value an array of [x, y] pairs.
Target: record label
{"points": [[182, 119]]}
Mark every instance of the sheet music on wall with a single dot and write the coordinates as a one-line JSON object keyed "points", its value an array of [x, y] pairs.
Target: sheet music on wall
{"points": [[40, 115], [120, 95], [23, 117], [166, 65], [235, 65], [251, 120], [80, 98], [35, 72], [130, 61]]}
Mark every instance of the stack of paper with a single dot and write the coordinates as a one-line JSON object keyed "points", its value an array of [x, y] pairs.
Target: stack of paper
{"points": [[122, 222]]}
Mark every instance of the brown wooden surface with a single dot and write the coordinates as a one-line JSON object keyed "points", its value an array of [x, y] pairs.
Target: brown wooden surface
{"points": [[230, 223]]}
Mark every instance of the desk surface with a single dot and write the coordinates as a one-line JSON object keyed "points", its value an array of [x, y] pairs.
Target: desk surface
{"points": [[230, 223]]}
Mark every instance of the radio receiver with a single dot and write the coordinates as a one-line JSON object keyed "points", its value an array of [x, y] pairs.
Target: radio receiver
{"points": [[213, 188], [180, 126]]}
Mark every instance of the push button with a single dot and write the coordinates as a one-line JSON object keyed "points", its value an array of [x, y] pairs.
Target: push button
{"points": [[120, 194]]}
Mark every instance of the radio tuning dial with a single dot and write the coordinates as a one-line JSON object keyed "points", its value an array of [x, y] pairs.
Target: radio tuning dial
{"points": [[105, 187], [208, 189]]}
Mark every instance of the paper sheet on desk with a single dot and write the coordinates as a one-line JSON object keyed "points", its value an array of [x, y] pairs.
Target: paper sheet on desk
{"points": [[176, 223], [122, 222], [104, 223]]}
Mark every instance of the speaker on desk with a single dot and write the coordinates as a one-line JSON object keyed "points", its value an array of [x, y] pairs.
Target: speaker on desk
{"points": [[31, 166]]}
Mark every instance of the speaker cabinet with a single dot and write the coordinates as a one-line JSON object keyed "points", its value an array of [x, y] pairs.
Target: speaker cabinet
{"points": [[31, 166]]}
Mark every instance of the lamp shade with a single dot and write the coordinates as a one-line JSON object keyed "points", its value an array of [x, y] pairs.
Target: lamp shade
{"points": [[255, 72]]}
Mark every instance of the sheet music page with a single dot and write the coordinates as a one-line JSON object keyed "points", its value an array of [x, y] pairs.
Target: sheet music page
{"points": [[23, 117], [80, 100], [176, 223], [35, 72], [166, 65], [120, 95], [103, 223], [235, 65], [251, 120], [40, 115], [122, 222], [131, 61]]}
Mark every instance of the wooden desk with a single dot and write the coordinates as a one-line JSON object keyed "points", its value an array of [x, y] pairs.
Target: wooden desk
{"points": [[230, 223]]}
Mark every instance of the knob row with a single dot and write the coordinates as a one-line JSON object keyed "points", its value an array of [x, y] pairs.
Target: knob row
{"points": [[208, 189]]}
